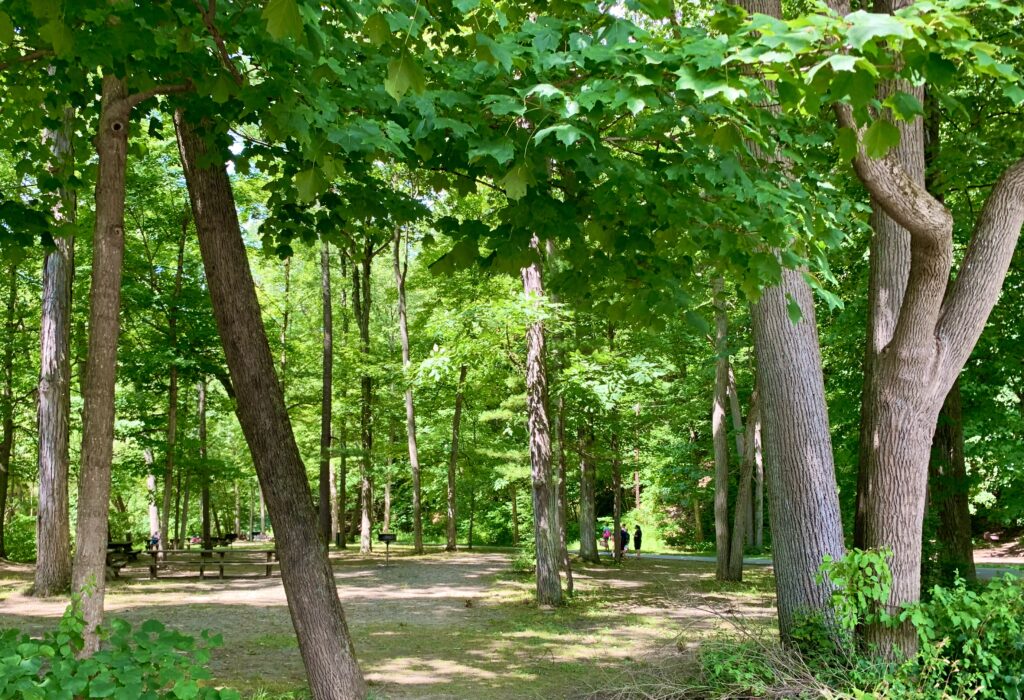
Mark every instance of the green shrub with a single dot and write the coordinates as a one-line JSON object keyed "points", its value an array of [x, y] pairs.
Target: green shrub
{"points": [[150, 663], [20, 538]]}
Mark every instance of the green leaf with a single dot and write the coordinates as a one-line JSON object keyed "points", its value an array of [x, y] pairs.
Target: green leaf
{"points": [[904, 106], [309, 184], [793, 310], [727, 137], [502, 150], [880, 137], [58, 36], [515, 181], [283, 19], [377, 29], [867, 26], [657, 9], [566, 133], [6, 29], [846, 139], [404, 74], [1015, 93]]}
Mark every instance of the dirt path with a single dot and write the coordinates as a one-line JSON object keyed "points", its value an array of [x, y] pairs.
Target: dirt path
{"points": [[444, 625]]}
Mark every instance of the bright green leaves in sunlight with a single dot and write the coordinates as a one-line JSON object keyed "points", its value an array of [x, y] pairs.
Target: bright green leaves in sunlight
{"points": [[404, 74], [865, 27], [283, 19]]}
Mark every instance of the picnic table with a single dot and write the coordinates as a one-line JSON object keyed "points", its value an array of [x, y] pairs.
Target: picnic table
{"points": [[237, 560], [120, 555]]}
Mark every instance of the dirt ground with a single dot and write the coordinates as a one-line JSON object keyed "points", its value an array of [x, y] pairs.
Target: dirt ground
{"points": [[458, 625]]}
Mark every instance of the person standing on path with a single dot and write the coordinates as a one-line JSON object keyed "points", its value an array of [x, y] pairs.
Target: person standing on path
{"points": [[623, 539], [638, 537]]}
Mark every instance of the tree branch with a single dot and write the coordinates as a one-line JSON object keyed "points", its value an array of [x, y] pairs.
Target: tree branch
{"points": [[138, 97], [208, 16], [31, 56], [976, 288]]}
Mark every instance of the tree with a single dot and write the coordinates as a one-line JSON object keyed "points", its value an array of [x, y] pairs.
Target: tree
{"points": [[325, 480], [319, 620]]}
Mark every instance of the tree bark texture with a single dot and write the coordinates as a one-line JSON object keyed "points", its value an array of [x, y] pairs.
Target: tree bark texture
{"points": [[549, 584], [560, 506], [797, 448], [326, 396], [53, 533], [316, 611], [453, 460], [588, 492], [89, 567], [401, 271]]}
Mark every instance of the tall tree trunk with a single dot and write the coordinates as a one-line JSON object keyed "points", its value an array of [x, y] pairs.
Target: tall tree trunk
{"points": [[453, 460], [515, 516], [204, 495], [948, 493], [327, 387], [472, 515], [7, 398], [758, 484], [343, 430], [316, 611], [283, 337], [154, 511], [53, 533], [89, 567], [698, 521], [797, 443], [172, 390], [183, 536], [560, 508], [588, 491], [741, 513], [549, 584], [719, 431], [401, 271], [238, 511], [617, 495], [361, 306]]}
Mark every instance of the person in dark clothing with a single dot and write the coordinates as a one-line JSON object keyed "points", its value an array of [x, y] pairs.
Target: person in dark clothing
{"points": [[623, 539], [638, 537]]}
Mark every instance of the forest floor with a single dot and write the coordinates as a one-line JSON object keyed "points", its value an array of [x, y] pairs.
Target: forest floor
{"points": [[459, 625]]}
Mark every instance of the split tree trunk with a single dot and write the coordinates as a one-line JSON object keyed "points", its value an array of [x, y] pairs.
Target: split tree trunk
{"points": [[89, 568], [316, 611], [401, 271], [549, 584], [453, 459], [588, 491], [53, 533], [327, 387]]}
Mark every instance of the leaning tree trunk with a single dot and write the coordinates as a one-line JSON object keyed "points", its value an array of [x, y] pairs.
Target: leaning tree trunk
{"points": [[549, 584], [89, 569], [720, 436], [588, 491], [53, 530], [316, 611], [361, 304], [7, 399], [401, 272], [327, 387], [453, 460]]}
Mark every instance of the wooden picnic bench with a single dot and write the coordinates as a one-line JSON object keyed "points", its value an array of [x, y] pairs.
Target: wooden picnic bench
{"points": [[206, 560], [120, 555]]}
